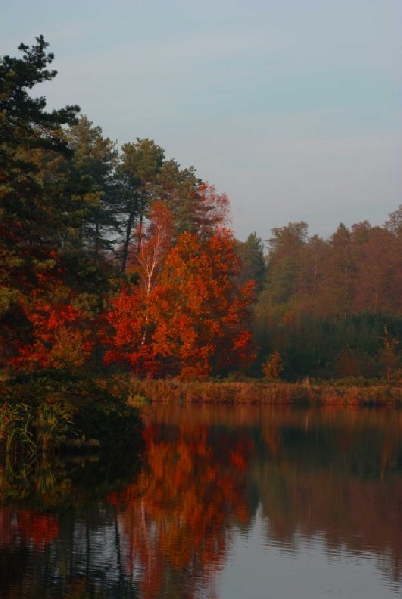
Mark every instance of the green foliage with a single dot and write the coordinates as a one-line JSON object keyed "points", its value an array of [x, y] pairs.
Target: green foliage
{"points": [[34, 196], [251, 255], [75, 213], [19, 112], [330, 348], [92, 166], [324, 303], [136, 177], [43, 410], [117, 425], [16, 426]]}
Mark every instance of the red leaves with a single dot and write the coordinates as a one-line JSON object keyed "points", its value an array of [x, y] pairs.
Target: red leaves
{"points": [[193, 320], [186, 316], [39, 529], [177, 512], [59, 337], [128, 321]]}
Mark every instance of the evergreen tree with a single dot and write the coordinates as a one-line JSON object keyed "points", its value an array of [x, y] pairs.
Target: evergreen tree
{"points": [[136, 181], [252, 260], [93, 163], [34, 206]]}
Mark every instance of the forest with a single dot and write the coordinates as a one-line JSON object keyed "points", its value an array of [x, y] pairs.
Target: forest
{"points": [[117, 259]]}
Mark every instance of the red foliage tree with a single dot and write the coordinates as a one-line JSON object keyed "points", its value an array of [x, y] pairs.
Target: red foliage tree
{"points": [[174, 519], [60, 330], [194, 320]]}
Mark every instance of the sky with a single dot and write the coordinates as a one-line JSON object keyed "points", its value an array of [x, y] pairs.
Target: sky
{"points": [[292, 107]]}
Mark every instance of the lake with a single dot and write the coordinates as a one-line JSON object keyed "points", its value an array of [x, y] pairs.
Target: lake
{"points": [[228, 502]]}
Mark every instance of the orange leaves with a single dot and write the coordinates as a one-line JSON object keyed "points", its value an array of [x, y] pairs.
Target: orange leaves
{"points": [[192, 318], [177, 520], [128, 320], [187, 317], [125, 315], [209, 312]]}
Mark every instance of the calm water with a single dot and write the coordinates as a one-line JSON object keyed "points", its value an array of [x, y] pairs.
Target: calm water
{"points": [[229, 502]]}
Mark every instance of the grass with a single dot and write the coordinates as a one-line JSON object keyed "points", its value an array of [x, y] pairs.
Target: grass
{"points": [[376, 393], [52, 410]]}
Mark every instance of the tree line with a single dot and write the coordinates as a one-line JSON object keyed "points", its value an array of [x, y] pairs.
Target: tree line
{"points": [[118, 258], [111, 257], [328, 308]]}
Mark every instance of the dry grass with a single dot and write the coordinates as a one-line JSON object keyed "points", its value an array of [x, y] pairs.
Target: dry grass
{"points": [[275, 393]]}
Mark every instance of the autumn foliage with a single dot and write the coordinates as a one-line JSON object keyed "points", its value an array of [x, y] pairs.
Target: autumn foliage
{"points": [[122, 259], [175, 521], [187, 315], [60, 333], [25, 526], [184, 313], [108, 258]]}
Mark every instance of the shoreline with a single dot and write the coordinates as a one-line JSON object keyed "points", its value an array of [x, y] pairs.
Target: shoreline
{"points": [[267, 393]]}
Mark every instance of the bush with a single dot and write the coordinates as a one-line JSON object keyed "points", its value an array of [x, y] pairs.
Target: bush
{"points": [[46, 409]]}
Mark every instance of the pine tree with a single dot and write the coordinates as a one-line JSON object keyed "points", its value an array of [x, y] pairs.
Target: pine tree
{"points": [[34, 207]]}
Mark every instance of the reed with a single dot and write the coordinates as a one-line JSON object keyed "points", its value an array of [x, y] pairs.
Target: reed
{"points": [[271, 393]]}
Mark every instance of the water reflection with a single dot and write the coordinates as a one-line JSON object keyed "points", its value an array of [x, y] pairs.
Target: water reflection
{"points": [[224, 493], [196, 489], [59, 535]]}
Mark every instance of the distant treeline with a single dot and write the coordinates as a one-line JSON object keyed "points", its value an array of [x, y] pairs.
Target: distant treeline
{"points": [[328, 307]]}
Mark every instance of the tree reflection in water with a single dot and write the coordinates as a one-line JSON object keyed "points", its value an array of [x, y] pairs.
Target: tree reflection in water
{"points": [[167, 531], [195, 491], [58, 535]]}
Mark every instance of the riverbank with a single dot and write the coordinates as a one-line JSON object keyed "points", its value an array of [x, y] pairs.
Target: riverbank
{"points": [[57, 411], [270, 393]]}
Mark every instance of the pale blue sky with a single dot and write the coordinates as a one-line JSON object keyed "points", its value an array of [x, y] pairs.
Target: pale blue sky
{"points": [[292, 107]]}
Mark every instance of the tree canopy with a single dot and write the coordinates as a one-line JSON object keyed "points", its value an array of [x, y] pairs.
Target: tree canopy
{"points": [[118, 257]]}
